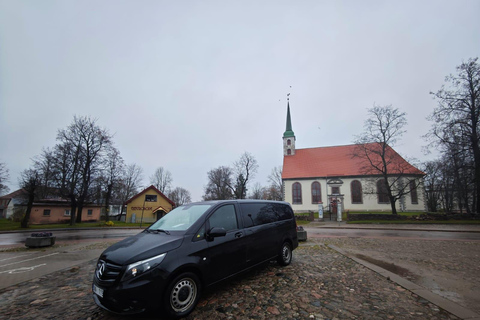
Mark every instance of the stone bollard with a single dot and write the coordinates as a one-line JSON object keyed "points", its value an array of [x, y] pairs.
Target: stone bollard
{"points": [[40, 239], [301, 234]]}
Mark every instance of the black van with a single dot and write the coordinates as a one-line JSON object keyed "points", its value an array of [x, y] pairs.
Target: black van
{"points": [[192, 247]]}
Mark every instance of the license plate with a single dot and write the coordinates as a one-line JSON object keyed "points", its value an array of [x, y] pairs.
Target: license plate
{"points": [[98, 291]]}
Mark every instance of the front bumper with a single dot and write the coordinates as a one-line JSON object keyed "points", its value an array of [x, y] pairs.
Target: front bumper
{"points": [[131, 297]]}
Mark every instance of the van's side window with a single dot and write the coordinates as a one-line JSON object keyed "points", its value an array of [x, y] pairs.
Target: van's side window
{"points": [[224, 217], [283, 212], [255, 214]]}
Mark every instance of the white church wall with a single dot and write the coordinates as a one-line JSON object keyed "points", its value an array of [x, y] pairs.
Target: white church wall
{"points": [[369, 203]]}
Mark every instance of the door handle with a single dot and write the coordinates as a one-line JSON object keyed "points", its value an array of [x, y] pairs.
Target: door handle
{"points": [[238, 235]]}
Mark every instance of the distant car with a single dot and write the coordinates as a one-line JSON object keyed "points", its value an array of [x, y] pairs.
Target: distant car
{"points": [[192, 247]]}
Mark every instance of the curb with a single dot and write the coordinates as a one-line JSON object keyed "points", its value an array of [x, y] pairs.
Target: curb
{"points": [[395, 229], [447, 305]]}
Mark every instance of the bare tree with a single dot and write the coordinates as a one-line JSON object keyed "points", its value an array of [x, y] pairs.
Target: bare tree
{"points": [[113, 170], [45, 166], [456, 127], [79, 153], [258, 192], [4, 176], [245, 169], [433, 184], [162, 180], [130, 183], [276, 184], [180, 196], [67, 174], [30, 181], [382, 130], [219, 184]]}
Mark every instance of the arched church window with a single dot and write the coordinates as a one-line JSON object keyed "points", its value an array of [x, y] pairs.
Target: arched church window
{"points": [[356, 190], [289, 151], [297, 193], [413, 192], [382, 191], [316, 193], [289, 142]]}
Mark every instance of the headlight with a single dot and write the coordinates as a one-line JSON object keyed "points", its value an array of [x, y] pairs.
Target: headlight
{"points": [[138, 268]]}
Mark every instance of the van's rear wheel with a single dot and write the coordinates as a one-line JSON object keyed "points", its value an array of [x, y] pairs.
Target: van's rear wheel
{"points": [[182, 295], [285, 255]]}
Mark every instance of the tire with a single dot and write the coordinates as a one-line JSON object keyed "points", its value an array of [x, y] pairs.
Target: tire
{"points": [[182, 295], [285, 255]]}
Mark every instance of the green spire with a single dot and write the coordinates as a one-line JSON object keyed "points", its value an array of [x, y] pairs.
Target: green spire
{"points": [[288, 131]]}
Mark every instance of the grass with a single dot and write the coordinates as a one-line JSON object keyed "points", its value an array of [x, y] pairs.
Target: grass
{"points": [[407, 214], [8, 225], [302, 222]]}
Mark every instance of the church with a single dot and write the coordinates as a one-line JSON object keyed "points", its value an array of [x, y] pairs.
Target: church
{"points": [[332, 176]]}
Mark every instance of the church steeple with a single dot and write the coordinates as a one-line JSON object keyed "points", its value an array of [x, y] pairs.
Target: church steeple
{"points": [[288, 135]]}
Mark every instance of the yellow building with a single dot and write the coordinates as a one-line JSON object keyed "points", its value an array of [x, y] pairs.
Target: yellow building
{"points": [[148, 206]]}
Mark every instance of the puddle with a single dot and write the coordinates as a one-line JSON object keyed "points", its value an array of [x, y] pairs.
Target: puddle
{"points": [[402, 272]]}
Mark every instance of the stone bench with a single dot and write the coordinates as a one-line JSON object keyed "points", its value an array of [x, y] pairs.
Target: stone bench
{"points": [[301, 234], [38, 240]]}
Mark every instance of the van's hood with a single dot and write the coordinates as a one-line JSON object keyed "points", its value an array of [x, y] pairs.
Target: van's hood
{"points": [[141, 246]]}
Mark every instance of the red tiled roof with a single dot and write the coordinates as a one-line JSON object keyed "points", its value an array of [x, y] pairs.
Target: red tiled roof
{"points": [[337, 161], [15, 194], [150, 188]]}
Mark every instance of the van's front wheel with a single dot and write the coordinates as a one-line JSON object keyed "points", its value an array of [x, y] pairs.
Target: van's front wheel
{"points": [[285, 255], [182, 295]]}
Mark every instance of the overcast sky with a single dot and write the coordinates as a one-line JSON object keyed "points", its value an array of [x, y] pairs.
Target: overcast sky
{"points": [[191, 85]]}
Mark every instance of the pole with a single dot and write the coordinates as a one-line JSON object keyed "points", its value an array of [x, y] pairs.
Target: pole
{"points": [[143, 208]]}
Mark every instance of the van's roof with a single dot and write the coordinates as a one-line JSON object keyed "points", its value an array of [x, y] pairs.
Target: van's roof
{"points": [[236, 200]]}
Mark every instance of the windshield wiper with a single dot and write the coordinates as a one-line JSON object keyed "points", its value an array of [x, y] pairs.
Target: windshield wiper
{"points": [[159, 230]]}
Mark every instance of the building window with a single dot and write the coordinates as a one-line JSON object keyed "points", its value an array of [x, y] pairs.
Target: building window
{"points": [[289, 152], [382, 191], [356, 190], [335, 190], [289, 142], [46, 212], [297, 193], [67, 212], [413, 192], [151, 198], [316, 193], [89, 212]]}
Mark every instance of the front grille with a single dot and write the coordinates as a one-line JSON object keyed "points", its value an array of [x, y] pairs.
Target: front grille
{"points": [[108, 275]]}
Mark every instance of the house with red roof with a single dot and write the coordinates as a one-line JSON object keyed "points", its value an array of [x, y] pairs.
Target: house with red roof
{"points": [[332, 176], [44, 211]]}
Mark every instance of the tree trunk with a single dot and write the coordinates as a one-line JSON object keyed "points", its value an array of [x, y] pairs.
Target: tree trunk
{"points": [[26, 218], [107, 201], [392, 204], [79, 213], [73, 208]]}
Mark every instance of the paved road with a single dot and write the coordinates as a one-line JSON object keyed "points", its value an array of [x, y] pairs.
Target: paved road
{"points": [[15, 238], [73, 247], [20, 266]]}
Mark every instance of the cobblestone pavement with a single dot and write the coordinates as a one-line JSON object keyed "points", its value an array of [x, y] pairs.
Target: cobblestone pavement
{"points": [[319, 284], [447, 268]]}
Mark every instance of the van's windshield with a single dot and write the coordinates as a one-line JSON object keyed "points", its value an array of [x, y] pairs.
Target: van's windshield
{"points": [[181, 218]]}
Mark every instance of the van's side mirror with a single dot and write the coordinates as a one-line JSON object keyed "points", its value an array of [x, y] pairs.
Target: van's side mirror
{"points": [[216, 232]]}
